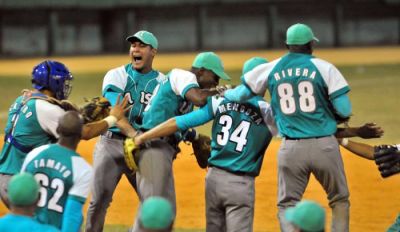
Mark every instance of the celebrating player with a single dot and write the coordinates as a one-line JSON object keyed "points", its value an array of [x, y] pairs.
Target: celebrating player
{"points": [[307, 94], [23, 193], [33, 118], [64, 176], [175, 95], [136, 81]]}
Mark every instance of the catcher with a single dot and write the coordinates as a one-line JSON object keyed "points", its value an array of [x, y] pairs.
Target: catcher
{"points": [[387, 159], [33, 118]]}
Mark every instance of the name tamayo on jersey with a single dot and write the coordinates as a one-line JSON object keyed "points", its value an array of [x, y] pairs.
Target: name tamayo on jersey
{"points": [[301, 87], [61, 173], [169, 98], [34, 125], [241, 133], [137, 86]]}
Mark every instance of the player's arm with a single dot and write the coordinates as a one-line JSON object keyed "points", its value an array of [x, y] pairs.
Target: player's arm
{"points": [[72, 215], [239, 94], [183, 122], [342, 105], [366, 131], [91, 130], [199, 96], [361, 149]]}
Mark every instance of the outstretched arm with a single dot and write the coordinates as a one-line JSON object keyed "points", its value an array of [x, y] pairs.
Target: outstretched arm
{"points": [[199, 96], [239, 94], [367, 131], [361, 149]]}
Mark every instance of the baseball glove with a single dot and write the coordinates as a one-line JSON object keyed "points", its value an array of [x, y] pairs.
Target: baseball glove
{"points": [[95, 109], [130, 150], [202, 149], [387, 157]]}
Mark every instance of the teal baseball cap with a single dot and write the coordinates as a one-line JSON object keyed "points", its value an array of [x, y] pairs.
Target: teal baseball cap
{"points": [[307, 215], [251, 63], [156, 213], [23, 189], [299, 34], [211, 61], [145, 37]]}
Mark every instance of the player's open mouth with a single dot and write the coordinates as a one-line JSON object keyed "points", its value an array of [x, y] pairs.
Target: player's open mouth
{"points": [[137, 59]]}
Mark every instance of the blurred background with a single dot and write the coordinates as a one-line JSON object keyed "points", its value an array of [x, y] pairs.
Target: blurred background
{"points": [[78, 27]]}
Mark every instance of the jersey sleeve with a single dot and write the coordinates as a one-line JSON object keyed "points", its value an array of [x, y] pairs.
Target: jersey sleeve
{"points": [[31, 155], [332, 77], [268, 116], [48, 115], [256, 80], [82, 174], [181, 81], [195, 118], [115, 80]]}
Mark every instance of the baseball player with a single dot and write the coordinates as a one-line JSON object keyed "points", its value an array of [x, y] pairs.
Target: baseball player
{"points": [[136, 81], [240, 136], [23, 192], [306, 94], [64, 176], [33, 118], [176, 94]]}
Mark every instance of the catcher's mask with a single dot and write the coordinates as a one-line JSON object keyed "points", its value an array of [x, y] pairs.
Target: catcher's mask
{"points": [[54, 76]]}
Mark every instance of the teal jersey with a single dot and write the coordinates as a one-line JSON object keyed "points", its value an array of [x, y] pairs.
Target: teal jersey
{"points": [[302, 88], [18, 223], [136, 86], [168, 98], [241, 133], [61, 173], [34, 125]]}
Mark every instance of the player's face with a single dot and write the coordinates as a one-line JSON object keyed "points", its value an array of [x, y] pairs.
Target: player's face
{"points": [[207, 79], [142, 56]]}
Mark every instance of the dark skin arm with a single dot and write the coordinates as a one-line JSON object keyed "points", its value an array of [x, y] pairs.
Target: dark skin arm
{"points": [[199, 96], [367, 131]]}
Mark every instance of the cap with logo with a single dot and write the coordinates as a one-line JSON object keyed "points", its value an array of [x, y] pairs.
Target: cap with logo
{"points": [[307, 215], [212, 62], [251, 63], [156, 213], [23, 190], [299, 34], [144, 37]]}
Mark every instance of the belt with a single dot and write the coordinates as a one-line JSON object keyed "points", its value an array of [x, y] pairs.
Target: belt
{"points": [[317, 137], [238, 173], [114, 135]]}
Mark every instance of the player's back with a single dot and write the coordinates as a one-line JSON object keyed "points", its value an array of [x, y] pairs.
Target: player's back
{"points": [[240, 135], [26, 126], [57, 169], [301, 87]]}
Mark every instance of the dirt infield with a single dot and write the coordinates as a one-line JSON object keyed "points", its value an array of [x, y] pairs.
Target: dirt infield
{"points": [[374, 202]]}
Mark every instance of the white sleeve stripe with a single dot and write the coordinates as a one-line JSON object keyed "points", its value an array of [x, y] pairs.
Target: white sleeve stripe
{"points": [[31, 155], [48, 115], [180, 79], [257, 79], [82, 175], [215, 103], [330, 74], [268, 116], [116, 77]]}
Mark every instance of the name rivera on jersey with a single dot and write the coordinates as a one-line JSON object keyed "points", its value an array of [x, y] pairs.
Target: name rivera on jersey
{"points": [[297, 73], [50, 163], [241, 108]]}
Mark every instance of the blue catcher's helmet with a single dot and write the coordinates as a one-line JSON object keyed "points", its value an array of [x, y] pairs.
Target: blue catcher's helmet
{"points": [[54, 76]]}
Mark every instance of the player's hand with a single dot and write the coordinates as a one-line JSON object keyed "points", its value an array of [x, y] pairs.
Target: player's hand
{"points": [[138, 140], [370, 130], [120, 108]]}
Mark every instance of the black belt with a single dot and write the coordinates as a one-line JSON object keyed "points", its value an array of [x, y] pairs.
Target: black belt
{"points": [[114, 135], [317, 137], [238, 173]]}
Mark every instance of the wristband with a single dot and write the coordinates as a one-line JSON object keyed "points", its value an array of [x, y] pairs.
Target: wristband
{"points": [[111, 120], [344, 142]]}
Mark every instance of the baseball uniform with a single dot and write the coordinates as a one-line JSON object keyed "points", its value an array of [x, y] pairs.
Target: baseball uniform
{"points": [[108, 155], [64, 176], [18, 223], [303, 90], [241, 133]]}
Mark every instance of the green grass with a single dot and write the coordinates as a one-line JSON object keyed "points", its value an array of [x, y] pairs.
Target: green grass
{"points": [[375, 94]]}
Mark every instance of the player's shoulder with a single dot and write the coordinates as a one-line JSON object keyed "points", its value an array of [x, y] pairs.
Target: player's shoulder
{"points": [[321, 63], [180, 73], [116, 72], [80, 165]]}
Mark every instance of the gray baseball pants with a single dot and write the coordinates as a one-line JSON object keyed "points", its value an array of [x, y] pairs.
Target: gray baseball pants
{"points": [[229, 201], [155, 175], [109, 165], [297, 159]]}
